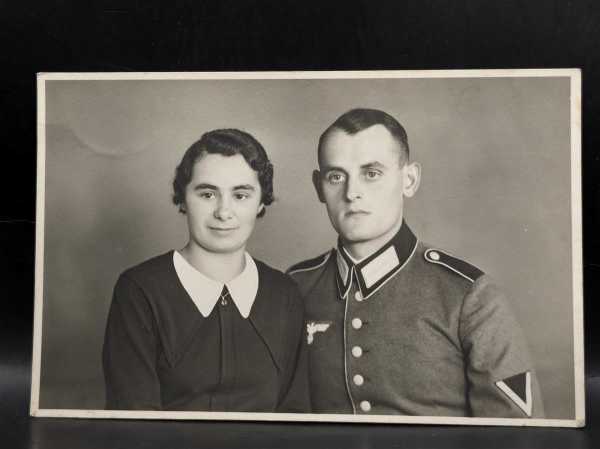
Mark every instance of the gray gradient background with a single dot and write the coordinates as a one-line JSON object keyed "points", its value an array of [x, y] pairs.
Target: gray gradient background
{"points": [[495, 191]]}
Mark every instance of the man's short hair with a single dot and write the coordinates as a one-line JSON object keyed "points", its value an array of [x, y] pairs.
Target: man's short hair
{"points": [[359, 119], [227, 142]]}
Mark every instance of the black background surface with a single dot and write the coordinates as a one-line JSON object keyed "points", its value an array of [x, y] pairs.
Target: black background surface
{"points": [[277, 35]]}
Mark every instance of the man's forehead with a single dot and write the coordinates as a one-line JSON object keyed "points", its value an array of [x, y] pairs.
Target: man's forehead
{"points": [[374, 143]]}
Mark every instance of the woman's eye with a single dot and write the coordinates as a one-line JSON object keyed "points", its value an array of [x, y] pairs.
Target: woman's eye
{"points": [[241, 196]]}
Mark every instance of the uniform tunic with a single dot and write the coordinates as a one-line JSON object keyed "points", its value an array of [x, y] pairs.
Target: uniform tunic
{"points": [[161, 353], [412, 330]]}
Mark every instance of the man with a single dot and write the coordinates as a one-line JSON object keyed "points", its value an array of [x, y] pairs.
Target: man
{"points": [[395, 326]]}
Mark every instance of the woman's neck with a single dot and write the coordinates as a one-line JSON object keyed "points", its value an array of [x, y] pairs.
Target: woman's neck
{"points": [[221, 267]]}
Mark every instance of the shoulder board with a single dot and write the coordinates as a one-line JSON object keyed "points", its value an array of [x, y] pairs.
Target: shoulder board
{"points": [[310, 264], [460, 267]]}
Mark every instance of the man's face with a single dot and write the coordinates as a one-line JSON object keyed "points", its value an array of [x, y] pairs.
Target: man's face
{"points": [[363, 182], [222, 201]]}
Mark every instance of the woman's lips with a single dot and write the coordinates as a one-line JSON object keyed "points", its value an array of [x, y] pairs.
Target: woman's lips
{"points": [[222, 229]]}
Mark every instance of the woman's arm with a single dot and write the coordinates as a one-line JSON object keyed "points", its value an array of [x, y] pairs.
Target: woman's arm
{"points": [[295, 395], [130, 351]]}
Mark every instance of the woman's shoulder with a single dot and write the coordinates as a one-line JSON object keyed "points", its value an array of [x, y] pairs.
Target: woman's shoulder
{"points": [[278, 295], [273, 276], [150, 270]]}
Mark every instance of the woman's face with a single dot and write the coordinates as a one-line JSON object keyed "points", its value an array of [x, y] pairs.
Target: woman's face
{"points": [[222, 201]]}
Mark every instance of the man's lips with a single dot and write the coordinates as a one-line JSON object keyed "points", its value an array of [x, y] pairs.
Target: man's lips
{"points": [[221, 229], [356, 213]]}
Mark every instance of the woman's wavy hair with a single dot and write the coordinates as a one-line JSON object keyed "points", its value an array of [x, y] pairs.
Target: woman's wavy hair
{"points": [[227, 142]]}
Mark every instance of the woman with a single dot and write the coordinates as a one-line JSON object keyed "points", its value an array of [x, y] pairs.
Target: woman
{"points": [[208, 327]]}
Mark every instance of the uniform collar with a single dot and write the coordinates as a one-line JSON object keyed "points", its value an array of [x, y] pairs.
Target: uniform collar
{"points": [[375, 270], [205, 292]]}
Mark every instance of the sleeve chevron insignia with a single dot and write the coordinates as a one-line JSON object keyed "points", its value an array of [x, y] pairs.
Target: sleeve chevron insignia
{"points": [[518, 390]]}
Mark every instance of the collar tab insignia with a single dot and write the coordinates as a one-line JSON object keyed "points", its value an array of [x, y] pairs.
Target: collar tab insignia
{"points": [[371, 273]]}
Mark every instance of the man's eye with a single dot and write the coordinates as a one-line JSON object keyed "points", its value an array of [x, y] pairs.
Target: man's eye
{"points": [[207, 195], [335, 178], [373, 174]]}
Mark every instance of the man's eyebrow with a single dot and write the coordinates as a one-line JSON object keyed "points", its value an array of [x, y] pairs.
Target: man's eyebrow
{"points": [[373, 164], [328, 168]]}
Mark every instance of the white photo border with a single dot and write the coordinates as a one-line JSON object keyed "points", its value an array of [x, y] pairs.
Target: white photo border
{"points": [[576, 240]]}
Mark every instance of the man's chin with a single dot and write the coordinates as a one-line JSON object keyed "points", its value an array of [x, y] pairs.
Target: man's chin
{"points": [[356, 235]]}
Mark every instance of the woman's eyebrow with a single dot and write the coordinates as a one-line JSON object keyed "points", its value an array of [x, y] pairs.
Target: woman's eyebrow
{"points": [[207, 186], [204, 185], [244, 187]]}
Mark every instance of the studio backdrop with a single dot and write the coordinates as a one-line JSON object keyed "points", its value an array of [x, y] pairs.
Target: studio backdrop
{"points": [[495, 190]]}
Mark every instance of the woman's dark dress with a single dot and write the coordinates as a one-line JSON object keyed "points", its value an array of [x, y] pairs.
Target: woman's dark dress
{"points": [[160, 353]]}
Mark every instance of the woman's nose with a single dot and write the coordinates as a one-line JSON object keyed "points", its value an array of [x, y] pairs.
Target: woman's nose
{"points": [[223, 210]]}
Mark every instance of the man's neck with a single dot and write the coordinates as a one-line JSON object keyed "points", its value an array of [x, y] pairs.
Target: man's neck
{"points": [[221, 267], [361, 250]]}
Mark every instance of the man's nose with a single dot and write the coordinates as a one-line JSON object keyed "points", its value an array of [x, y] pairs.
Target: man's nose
{"points": [[223, 210], [353, 189]]}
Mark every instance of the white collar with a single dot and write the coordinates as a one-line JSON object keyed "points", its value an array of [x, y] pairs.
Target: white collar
{"points": [[205, 292]]}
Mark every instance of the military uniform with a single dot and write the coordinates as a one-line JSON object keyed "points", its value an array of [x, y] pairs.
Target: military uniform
{"points": [[412, 330]]}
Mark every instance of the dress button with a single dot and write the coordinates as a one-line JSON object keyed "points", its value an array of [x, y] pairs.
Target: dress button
{"points": [[358, 296], [223, 302], [358, 380], [357, 351], [365, 406], [434, 255], [357, 323]]}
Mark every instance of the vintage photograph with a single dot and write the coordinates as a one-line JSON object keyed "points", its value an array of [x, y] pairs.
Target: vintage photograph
{"points": [[380, 246]]}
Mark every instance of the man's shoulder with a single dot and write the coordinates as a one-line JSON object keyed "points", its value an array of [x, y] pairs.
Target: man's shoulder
{"points": [[309, 270], [310, 265], [448, 265], [451, 280]]}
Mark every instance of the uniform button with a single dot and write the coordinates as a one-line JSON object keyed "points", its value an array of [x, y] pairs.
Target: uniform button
{"points": [[358, 380], [434, 255], [357, 351], [357, 323], [365, 406], [358, 296]]}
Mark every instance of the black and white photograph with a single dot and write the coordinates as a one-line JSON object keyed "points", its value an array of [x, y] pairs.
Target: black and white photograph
{"points": [[366, 247]]}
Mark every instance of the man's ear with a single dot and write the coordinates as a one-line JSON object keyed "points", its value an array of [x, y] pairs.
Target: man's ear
{"points": [[412, 178], [316, 179], [260, 208]]}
